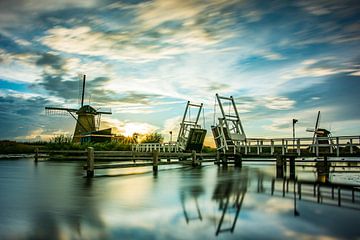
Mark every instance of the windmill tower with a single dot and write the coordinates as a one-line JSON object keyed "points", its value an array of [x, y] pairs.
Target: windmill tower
{"points": [[87, 120]]}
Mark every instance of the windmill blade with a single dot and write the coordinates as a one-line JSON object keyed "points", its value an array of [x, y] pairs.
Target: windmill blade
{"points": [[316, 127], [83, 91], [103, 111], [58, 111]]}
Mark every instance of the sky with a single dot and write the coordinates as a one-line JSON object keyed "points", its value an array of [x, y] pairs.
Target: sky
{"points": [[145, 59]]}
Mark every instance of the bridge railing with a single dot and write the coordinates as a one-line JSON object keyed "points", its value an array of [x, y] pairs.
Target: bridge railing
{"points": [[337, 146], [149, 147]]}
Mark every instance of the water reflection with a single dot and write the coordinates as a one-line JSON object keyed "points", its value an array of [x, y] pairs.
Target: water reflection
{"points": [[54, 201], [229, 194]]}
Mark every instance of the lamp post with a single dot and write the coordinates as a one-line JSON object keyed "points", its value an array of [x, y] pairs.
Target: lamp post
{"points": [[170, 136], [294, 121]]}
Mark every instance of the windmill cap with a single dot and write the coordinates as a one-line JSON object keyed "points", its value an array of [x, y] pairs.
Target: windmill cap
{"points": [[87, 109]]}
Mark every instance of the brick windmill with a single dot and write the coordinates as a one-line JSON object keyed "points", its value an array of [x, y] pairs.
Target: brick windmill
{"points": [[87, 120]]}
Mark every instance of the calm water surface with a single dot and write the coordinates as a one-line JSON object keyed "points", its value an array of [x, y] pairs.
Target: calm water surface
{"points": [[52, 200]]}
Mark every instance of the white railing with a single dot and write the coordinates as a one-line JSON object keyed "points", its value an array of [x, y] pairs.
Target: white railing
{"points": [[334, 145], [149, 147]]}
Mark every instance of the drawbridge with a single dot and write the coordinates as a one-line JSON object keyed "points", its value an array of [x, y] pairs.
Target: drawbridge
{"points": [[228, 132]]}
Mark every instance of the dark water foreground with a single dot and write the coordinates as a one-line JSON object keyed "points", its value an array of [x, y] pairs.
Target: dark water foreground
{"points": [[51, 200]]}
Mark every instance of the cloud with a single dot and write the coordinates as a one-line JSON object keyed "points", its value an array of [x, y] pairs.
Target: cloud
{"points": [[279, 103], [23, 117]]}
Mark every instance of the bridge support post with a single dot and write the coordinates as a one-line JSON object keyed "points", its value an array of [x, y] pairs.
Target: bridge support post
{"points": [[217, 161], [195, 161], [292, 168], [238, 160], [279, 166], [323, 170], [90, 162], [36, 154], [155, 155]]}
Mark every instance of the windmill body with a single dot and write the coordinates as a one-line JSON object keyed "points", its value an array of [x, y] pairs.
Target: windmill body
{"points": [[87, 121], [321, 135]]}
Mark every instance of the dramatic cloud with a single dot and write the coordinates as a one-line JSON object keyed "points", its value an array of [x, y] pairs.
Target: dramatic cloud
{"points": [[146, 59]]}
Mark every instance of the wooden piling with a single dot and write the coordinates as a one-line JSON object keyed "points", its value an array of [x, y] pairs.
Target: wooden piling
{"points": [[238, 160], [90, 162], [217, 158], [284, 180], [36, 154], [292, 168], [155, 155], [194, 160], [279, 166]]}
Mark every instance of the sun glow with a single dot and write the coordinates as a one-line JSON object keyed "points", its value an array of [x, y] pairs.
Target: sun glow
{"points": [[142, 128]]}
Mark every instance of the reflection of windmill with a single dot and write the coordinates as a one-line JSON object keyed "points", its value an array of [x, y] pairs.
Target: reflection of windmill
{"points": [[321, 133], [87, 120]]}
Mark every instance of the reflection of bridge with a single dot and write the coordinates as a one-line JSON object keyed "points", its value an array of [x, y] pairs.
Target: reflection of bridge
{"points": [[233, 184]]}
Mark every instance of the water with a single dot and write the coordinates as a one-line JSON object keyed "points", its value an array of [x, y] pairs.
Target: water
{"points": [[52, 200]]}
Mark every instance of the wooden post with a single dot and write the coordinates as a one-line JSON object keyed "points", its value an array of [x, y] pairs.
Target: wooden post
{"points": [[195, 162], [318, 193], [351, 146], [155, 155], [257, 147], [272, 186], [292, 168], [272, 147], [238, 162], [339, 196], [90, 162], [225, 160], [217, 158], [337, 147], [282, 147], [284, 180], [279, 166], [298, 147], [317, 147], [36, 154]]}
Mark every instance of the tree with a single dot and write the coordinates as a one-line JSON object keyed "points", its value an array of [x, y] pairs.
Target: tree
{"points": [[153, 138]]}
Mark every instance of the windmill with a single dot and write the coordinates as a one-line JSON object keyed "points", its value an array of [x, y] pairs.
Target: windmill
{"points": [[87, 120], [321, 133]]}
